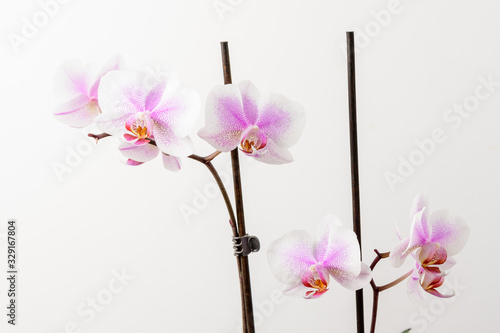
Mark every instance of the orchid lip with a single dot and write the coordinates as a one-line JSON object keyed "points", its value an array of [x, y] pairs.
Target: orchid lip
{"points": [[140, 125], [316, 278], [252, 139]]}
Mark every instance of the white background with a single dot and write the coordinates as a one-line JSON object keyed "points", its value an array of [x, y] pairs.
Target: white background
{"points": [[105, 217]]}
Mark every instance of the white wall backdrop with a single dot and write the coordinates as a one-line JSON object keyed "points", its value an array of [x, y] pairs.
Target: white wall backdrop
{"points": [[105, 247]]}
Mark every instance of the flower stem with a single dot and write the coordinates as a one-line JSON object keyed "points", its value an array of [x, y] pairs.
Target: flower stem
{"points": [[378, 289], [356, 212], [248, 318], [207, 162]]}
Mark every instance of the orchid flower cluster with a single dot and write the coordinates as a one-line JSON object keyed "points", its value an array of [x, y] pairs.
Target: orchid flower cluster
{"points": [[150, 118], [305, 266], [156, 118]]}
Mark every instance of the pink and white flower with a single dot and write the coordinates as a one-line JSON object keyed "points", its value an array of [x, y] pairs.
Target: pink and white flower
{"points": [[432, 242], [139, 112], [77, 86], [262, 127], [305, 265]]}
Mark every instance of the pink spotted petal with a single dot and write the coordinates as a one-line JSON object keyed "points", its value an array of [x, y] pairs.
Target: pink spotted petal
{"points": [[353, 282], [71, 78], [271, 154], [171, 163], [282, 120], [174, 106], [337, 248], [398, 253], [114, 63], [250, 97], [122, 93], [78, 112], [419, 231], [171, 144], [449, 230], [290, 256], [138, 153], [224, 118]]}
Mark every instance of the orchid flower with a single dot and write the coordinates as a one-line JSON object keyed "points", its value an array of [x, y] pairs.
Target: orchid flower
{"points": [[264, 128], [433, 240], [305, 266], [77, 86], [140, 112]]}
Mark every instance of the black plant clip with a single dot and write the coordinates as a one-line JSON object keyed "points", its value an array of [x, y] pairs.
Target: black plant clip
{"points": [[245, 245]]}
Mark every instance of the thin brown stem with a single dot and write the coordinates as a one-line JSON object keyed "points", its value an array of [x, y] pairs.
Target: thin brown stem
{"points": [[238, 192], [353, 134], [98, 137], [378, 289], [213, 155], [395, 282], [220, 184]]}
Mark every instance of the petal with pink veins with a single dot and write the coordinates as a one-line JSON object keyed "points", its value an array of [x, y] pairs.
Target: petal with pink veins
{"points": [[71, 78], [174, 106], [250, 97], [290, 256], [171, 144], [337, 248], [281, 119], [78, 112], [449, 230], [123, 93], [224, 118]]}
